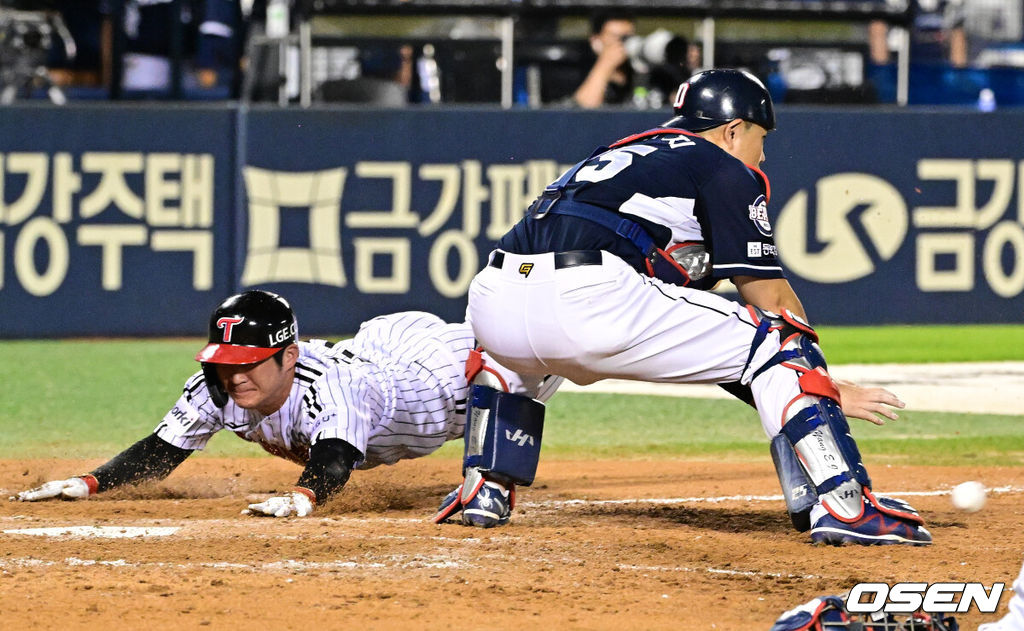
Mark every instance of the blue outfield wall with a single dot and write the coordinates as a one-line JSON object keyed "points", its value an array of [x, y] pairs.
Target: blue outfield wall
{"points": [[138, 220]]}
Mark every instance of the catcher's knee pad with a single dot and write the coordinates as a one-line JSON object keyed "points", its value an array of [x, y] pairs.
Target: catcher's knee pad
{"points": [[798, 346], [503, 433]]}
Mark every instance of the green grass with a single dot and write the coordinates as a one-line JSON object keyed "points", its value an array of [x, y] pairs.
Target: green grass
{"points": [[922, 344], [607, 425], [92, 398]]}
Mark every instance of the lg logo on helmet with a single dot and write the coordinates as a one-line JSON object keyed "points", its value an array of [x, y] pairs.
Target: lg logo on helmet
{"points": [[284, 334], [227, 324]]}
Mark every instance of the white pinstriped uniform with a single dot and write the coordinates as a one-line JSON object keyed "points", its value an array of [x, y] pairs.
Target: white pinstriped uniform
{"points": [[396, 390]]}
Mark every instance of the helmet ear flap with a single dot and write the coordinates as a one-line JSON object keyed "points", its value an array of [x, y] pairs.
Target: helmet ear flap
{"points": [[218, 395]]}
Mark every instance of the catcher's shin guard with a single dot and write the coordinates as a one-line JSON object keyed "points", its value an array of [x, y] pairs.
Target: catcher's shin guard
{"points": [[797, 489], [502, 448], [820, 437], [817, 432], [503, 433], [820, 444]]}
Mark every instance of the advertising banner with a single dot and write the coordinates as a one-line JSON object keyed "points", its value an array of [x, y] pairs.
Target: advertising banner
{"points": [[111, 219], [138, 220]]}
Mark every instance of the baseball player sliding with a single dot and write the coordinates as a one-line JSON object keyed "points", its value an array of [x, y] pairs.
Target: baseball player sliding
{"points": [[396, 390], [604, 278]]}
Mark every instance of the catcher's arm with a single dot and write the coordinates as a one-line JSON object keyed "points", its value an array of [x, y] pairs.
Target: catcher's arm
{"points": [[331, 461], [152, 458], [857, 401], [774, 294], [769, 294]]}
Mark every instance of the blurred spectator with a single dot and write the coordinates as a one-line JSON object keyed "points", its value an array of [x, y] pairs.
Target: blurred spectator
{"points": [[205, 32], [628, 69], [936, 34], [87, 23], [662, 61], [995, 31], [386, 79], [610, 79], [219, 45]]}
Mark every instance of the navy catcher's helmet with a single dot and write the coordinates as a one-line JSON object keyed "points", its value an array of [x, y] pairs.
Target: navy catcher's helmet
{"points": [[715, 97], [249, 327]]}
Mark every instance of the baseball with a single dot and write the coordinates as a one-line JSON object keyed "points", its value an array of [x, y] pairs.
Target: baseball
{"points": [[968, 496]]}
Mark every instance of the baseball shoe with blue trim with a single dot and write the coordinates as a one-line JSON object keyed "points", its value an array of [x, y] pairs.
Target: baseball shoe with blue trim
{"points": [[491, 506], [883, 521]]}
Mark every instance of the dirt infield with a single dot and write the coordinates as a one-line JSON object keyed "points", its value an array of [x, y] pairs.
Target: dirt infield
{"points": [[596, 545]]}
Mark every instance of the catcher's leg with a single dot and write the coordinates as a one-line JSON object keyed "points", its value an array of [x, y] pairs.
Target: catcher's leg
{"points": [[826, 486], [1014, 619], [502, 448]]}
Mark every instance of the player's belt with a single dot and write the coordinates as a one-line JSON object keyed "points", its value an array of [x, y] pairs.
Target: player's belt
{"points": [[570, 258]]}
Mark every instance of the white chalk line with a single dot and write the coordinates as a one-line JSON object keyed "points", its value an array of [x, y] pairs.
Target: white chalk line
{"points": [[736, 498], [290, 565], [715, 570]]}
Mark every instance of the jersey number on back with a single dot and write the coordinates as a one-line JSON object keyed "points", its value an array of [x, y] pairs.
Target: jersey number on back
{"points": [[611, 163]]}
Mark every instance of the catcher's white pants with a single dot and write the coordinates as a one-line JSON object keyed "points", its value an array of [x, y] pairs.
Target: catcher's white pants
{"points": [[1014, 620], [606, 321]]}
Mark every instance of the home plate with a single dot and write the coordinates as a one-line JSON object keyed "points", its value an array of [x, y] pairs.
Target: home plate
{"points": [[104, 532]]}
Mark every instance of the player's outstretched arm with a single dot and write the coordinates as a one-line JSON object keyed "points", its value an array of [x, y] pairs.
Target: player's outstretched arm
{"points": [[152, 458], [873, 405], [331, 461], [71, 489]]}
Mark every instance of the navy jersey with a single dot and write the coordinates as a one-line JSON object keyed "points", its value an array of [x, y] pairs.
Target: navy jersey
{"points": [[680, 188]]}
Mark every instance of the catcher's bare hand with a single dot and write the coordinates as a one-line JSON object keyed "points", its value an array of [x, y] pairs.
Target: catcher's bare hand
{"points": [[70, 489], [294, 503], [869, 404]]}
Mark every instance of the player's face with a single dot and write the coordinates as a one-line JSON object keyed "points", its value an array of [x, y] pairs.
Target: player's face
{"points": [[263, 386], [748, 144]]}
